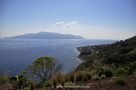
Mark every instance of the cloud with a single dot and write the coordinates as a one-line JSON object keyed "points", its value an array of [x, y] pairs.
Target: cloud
{"points": [[60, 23], [70, 24], [94, 31], [66, 24]]}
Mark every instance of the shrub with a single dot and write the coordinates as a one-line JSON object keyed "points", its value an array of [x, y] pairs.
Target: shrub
{"points": [[69, 77], [102, 76], [86, 75], [96, 77], [99, 70], [108, 72], [54, 82], [82, 76], [20, 82], [58, 78], [120, 71], [3, 79], [104, 71], [131, 68], [47, 83], [69, 84], [120, 80], [32, 85], [78, 76]]}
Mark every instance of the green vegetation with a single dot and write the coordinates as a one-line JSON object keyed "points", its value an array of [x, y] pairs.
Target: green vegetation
{"points": [[43, 68], [111, 60], [69, 84], [47, 84], [120, 71], [15, 83], [117, 54], [120, 80]]}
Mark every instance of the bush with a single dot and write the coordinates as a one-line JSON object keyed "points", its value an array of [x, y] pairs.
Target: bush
{"points": [[69, 84], [32, 85], [86, 75], [108, 72], [120, 80], [104, 71], [58, 78], [120, 71], [99, 71], [69, 77], [4, 79], [131, 68], [96, 77], [47, 84], [82, 76], [102, 76], [78, 76], [20, 82]]}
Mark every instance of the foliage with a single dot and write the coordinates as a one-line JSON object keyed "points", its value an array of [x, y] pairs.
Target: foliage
{"points": [[117, 54], [48, 83], [108, 72], [44, 68], [120, 80], [96, 77], [69, 84], [102, 76], [54, 82], [4, 79], [103, 70], [69, 77], [59, 78], [18, 82], [121, 71], [131, 68]]}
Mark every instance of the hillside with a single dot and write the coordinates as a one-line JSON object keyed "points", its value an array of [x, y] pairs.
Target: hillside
{"points": [[112, 66], [47, 35], [118, 54]]}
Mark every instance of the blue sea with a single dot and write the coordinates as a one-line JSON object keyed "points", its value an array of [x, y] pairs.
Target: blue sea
{"points": [[17, 54]]}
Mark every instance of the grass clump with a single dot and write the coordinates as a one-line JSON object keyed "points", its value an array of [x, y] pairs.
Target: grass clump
{"points": [[108, 72], [81, 76], [69, 84], [120, 80], [95, 77], [120, 71], [58, 79], [48, 84]]}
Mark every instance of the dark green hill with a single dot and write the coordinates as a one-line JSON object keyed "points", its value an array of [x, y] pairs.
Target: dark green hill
{"points": [[120, 53]]}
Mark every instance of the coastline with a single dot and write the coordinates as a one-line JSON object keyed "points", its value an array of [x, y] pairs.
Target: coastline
{"points": [[77, 52], [85, 51]]}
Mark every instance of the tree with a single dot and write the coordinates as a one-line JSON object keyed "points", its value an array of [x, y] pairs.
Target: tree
{"points": [[44, 68]]}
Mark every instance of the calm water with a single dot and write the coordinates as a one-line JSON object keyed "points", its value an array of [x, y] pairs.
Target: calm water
{"points": [[17, 54]]}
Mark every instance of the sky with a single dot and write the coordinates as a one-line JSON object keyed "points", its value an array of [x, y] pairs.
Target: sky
{"points": [[92, 19]]}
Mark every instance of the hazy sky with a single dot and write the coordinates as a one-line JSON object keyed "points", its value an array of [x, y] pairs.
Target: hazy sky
{"points": [[99, 19]]}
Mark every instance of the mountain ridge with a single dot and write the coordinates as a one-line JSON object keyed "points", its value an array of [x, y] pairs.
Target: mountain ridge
{"points": [[47, 35]]}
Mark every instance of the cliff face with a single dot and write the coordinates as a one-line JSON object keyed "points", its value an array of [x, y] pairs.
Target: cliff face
{"points": [[119, 53]]}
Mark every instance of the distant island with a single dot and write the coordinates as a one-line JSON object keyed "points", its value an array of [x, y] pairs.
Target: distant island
{"points": [[47, 35]]}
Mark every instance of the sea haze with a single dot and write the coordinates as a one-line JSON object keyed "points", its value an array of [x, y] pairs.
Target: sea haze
{"points": [[17, 54]]}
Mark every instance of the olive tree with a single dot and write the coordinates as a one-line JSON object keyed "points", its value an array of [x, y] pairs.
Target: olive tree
{"points": [[44, 68]]}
